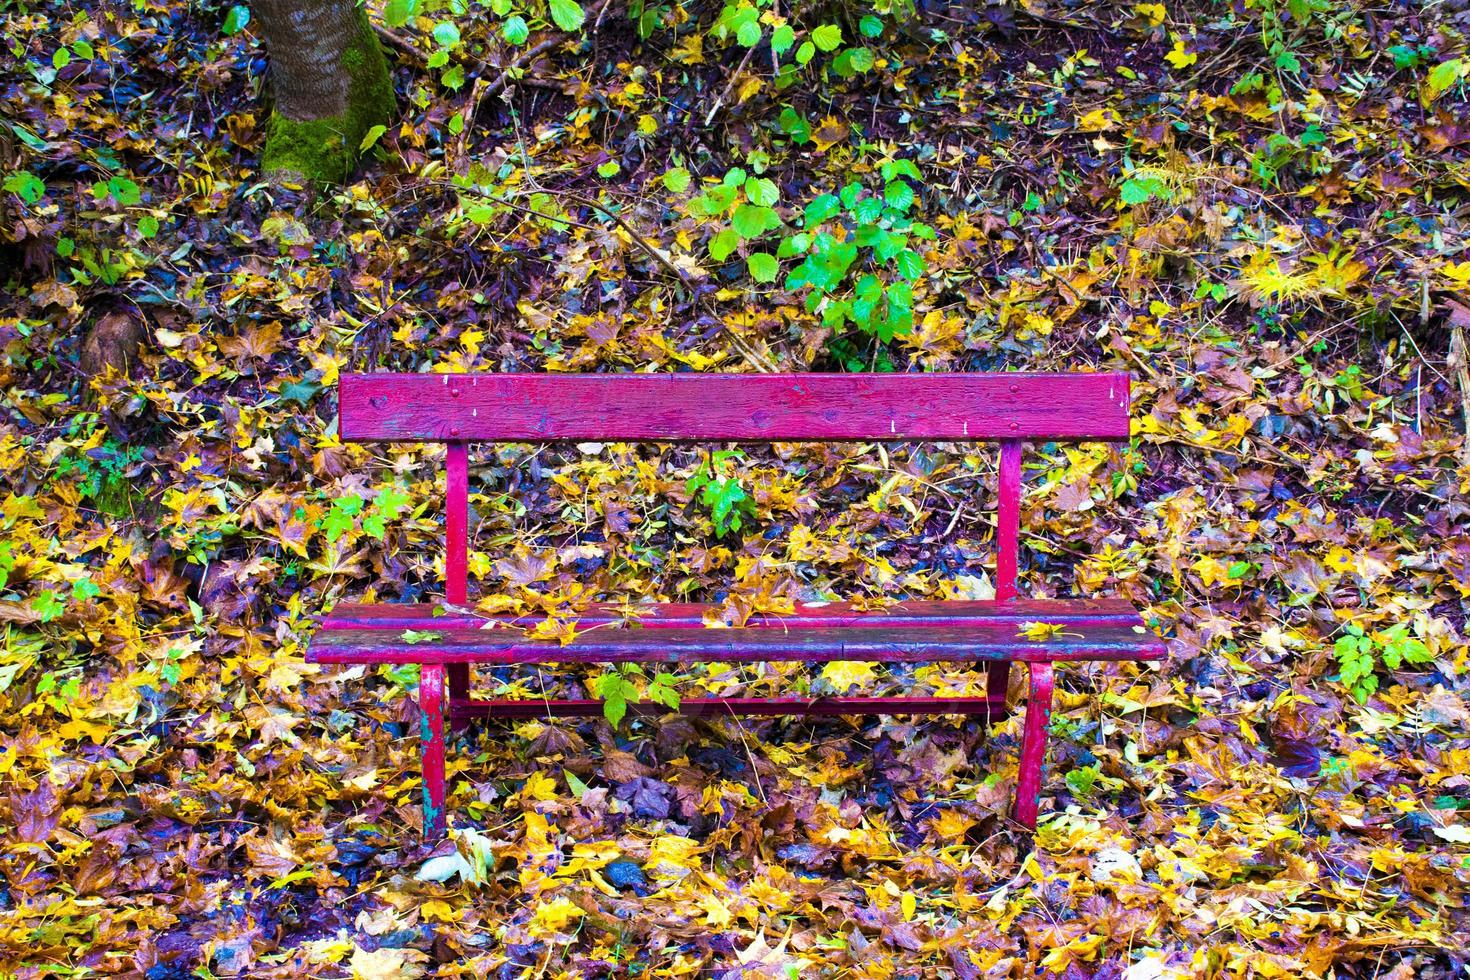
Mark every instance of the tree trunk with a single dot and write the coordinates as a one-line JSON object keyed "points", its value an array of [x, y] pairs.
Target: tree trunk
{"points": [[331, 86]]}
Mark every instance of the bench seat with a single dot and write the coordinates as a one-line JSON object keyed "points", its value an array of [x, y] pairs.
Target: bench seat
{"points": [[976, 641], [915, 612]]}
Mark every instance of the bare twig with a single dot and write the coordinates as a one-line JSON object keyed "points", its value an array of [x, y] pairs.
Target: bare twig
{"points": [[728, 86], [403, 45]]}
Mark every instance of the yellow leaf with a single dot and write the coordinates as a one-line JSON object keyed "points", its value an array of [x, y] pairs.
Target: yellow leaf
{"points": [[691, 52], [1457, 273], [830, 133], [438, 910], [554, 916], [1098, 120], [1180, 58], [1042, 632], [846, 674], [906, 904], [539, 786], [563, 631], [715, 912], [951, 825], [1155, 12]]}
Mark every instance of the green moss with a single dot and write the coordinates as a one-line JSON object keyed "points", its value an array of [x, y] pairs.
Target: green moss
{"points": [[325, 149]]}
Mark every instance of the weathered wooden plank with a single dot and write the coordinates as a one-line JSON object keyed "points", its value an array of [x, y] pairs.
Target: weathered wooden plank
{"points": [[918, 613], [714, 707], [731, 407], [975, 643]]}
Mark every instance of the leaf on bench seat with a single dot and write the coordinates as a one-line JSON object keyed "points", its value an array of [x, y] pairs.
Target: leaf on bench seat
{"points": [[563, 631], [1041, 632], [420, 636]]}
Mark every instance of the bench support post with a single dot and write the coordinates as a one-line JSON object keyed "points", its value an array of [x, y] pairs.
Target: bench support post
{"points": [[431, 737], [457, 552], [1033, 746], [1007, 543]]}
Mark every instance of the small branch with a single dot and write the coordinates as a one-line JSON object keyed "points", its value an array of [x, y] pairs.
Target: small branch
{"points": [[1459, 363], [637, 238], [728, 86], [521, 61], [402, 45]]}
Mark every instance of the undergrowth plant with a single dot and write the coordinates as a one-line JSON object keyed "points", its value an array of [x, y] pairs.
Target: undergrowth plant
{"points": [[728, 504], [1360, 653], [858, 260]]}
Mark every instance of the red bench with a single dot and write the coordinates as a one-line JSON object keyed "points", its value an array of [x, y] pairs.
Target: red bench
{"points": [[1004, 408]]}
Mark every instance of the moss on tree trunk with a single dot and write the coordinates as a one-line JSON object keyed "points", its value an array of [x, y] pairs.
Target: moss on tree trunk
{"points": [[331, 86]]}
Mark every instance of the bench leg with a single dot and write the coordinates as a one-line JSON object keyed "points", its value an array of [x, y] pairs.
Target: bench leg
{"points": [[998, 681], [459, 692], [1033, 746], [431, 739]]}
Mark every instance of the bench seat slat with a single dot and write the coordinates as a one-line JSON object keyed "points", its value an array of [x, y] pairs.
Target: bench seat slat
{"points": [[972, 643], [716, 707], [921, 613]]}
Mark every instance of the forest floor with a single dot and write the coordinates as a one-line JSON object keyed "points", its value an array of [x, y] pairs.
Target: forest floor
{"points": [[1259, 209]]}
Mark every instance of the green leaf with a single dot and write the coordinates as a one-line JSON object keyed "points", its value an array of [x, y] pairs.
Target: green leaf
{"points": [[446, 34], [371, 137], [148, 226], [910, 264], [870, 26], [868, 210], [420, 636], [749, 33], [60, 58], [750, 220], [1443, 76], [85, 588], [235, 20], [805, 52], [49, 604], [83, 49], [397, 12], [453, 78], [124, 191], [567, 14], [515, 30], [899, 195], [26, 185], [608, 169], [614, 689], [1140, 190], [390, 500], [677, 180], [762, 266], [456, 123], [827, 37], [761, 191], [860, 59], [723, 244], [782, 38]]}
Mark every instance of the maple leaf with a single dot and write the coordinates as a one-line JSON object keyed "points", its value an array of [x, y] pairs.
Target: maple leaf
{"points": [[1042, 632], [844, 675]]}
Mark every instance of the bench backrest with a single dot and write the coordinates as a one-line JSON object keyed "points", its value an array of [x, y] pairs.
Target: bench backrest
{"points": [[462, 408]]}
